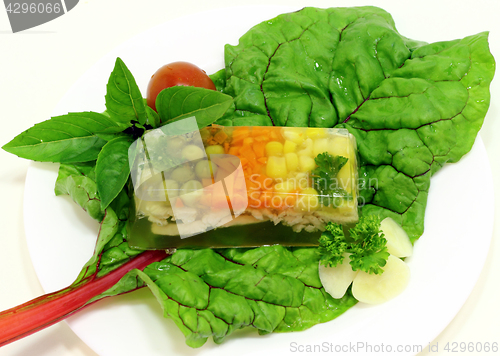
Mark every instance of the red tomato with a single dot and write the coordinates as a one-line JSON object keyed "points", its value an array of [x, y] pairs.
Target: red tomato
{"points": [[177, 73]]}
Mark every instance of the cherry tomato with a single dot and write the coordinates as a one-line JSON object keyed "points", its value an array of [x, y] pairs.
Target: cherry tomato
{"points": [[174, 74]]}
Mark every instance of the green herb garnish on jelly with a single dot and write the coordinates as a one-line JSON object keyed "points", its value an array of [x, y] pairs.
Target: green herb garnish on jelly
{"points": [[325, 180]]}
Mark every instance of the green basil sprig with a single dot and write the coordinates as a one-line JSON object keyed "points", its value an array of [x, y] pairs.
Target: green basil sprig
{"points": [[89, 136], [124, 102], [177, 103], [112, 169], [66, 139]]}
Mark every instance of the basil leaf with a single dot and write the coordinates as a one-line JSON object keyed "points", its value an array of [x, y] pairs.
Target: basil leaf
{"points": [[112, 169], [124, 102], [113, 131], [121, 204], [65, 139], [110, 136], [180, 102], [153, 118], [96, 122]]}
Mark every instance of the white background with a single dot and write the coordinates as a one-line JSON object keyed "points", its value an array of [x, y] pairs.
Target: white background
{"points": [[39, 65]]}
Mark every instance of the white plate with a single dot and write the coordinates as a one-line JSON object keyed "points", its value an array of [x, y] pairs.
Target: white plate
{"points": [[447, 261]]}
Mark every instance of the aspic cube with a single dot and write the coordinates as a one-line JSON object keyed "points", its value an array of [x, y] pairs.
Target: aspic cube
{"points": [[240, 186]]}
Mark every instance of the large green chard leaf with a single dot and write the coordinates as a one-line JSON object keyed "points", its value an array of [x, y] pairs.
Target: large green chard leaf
{"points": [[210, 293], [77, 181], [412, 107]]}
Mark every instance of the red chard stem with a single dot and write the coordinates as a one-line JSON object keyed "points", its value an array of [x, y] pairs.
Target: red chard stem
{"points": [[48, 309]]}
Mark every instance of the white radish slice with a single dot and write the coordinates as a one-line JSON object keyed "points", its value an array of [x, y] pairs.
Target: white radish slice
{"points": [[379, 288], [398, 242], [337, 279]]}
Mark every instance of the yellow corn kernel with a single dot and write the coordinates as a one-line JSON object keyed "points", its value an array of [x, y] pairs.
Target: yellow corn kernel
{"points": [[309, 191], [307, 148], [340, 146], [276, 167], [308, 152], [283, 192], [285, 186], [309, 143], [296, 135], [274, 148], [320, 146], [345, 180], [346, 207], [301, 180], [306, 163], [292, 161], [307, 201], [315, 132], [289, 146]]}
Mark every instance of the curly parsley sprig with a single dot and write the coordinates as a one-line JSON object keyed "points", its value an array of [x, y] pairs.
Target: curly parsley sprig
{"points": [[366, 245]]}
